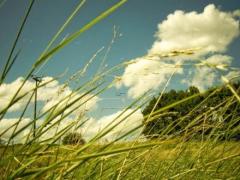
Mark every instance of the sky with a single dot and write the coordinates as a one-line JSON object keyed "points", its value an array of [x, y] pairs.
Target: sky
{"points": [[145, 31]]}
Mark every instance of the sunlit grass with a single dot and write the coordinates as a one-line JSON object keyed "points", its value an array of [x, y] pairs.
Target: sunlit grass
{"points": [[163, 158]]}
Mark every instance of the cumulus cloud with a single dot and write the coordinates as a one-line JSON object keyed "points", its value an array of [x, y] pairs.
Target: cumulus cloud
{"points": [[206, 73], [69, 122], [233, 75], [11, 124], [145, 74], [212, 30], [83, 103], [53, 94], [217, 60], [204, 77], [50, 94], [183, 37], [124, 125], [91, 128], [8, 90], [236, 13]]}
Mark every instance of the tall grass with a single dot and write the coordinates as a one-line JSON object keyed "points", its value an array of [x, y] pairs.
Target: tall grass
{"points": [[167, 158]]}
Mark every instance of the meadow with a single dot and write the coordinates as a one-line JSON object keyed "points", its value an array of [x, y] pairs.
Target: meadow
{"points": [[166, 159]]}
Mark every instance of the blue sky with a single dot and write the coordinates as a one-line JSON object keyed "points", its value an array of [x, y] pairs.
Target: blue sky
{"points": [[137, 21]]}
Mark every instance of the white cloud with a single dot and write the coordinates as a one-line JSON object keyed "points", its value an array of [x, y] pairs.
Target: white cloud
{"points": [[8, 90], [218, 59], [82, 104], [204, 77], [212, 30], [7, 123], [206, 74], [60, 125], [145, 74], [233, 75], [25, 122], [50, 94], [93, 126], [185, 37], [236, 13]]}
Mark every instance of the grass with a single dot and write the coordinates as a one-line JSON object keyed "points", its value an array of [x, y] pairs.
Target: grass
{"points": [[163, 160], [169, 158]]}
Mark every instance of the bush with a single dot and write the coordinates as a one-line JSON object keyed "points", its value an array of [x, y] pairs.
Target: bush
{"points": [[73, 138], [2, 142]]}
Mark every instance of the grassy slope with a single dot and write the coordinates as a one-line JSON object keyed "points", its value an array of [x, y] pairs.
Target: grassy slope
{"points": [[173, 158]]}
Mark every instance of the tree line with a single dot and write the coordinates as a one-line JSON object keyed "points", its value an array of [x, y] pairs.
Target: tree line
{"points": [[212, 114]]}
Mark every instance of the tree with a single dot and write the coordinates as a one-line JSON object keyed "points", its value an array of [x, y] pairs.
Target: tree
{"points": [[193, 90], [73, 138], [2, 142], [219, 113]]}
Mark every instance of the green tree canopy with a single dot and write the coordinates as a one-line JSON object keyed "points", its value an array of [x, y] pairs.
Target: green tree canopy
{"points": [[217, 108], [73, 138]]}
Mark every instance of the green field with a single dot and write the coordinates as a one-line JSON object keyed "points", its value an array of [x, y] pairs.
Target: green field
{"points": [[169, 159]]}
